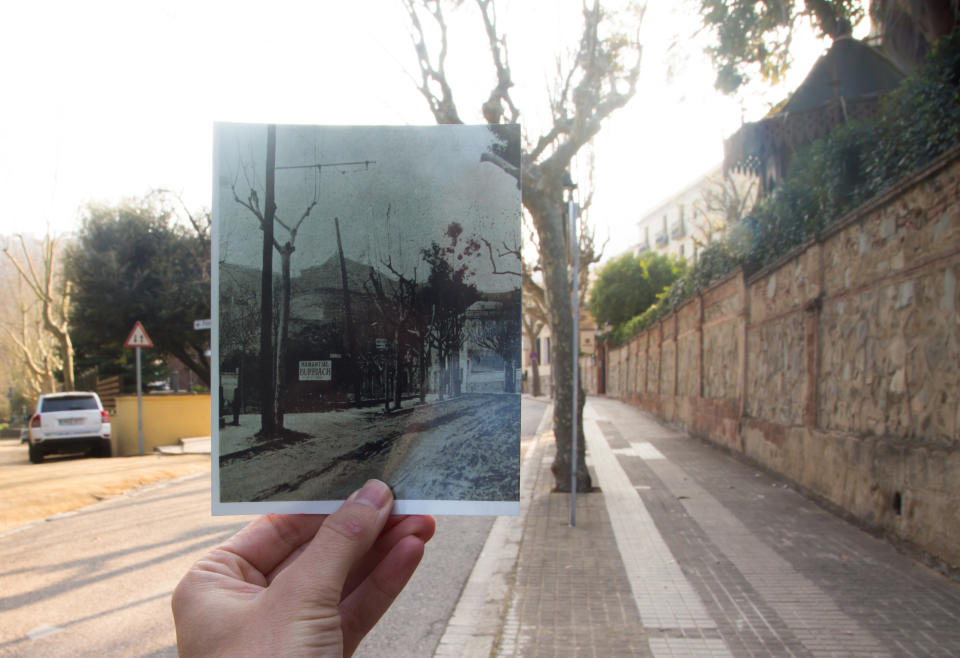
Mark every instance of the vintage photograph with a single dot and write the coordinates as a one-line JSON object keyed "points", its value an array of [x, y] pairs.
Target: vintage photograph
{"points": [[367, 316]]}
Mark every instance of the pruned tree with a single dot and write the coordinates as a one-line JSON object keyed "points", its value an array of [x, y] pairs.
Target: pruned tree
{"points": [[285, 250], [535, 311], [43, 276], [600, 78], [396, 305], [448, 296]]}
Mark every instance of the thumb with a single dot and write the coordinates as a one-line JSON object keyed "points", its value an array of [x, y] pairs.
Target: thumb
{"points": [[318, 575]]}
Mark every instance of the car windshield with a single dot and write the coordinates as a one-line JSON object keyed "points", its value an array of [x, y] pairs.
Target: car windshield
{"points": [[71, 403]]}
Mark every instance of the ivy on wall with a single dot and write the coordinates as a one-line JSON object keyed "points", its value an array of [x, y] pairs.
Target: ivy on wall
{"points": [[830, 177]]}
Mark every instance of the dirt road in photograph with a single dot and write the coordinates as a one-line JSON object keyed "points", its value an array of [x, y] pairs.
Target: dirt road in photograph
{"points": [[464, 448]]}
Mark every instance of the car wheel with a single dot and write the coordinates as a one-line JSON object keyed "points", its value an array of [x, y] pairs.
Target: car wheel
{"points": [[36, 454], [104, 449]]}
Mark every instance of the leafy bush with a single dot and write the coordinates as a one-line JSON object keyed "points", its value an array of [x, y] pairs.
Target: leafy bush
{"points": [[629, 284]]}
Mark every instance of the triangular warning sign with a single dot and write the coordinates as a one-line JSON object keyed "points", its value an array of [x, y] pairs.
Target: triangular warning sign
{"points": [[138, 337]]}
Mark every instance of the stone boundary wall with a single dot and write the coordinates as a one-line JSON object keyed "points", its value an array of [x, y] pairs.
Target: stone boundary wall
{"points": [[837, 366]]}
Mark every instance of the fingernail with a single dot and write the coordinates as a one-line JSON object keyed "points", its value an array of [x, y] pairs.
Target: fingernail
{"points": [[374, 493]]}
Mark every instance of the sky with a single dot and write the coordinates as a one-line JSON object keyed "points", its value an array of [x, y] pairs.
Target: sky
{"points": [[412, 183], [107, 99]]}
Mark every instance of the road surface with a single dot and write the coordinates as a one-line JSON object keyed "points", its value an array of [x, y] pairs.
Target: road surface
{"points": [[97, 581]]}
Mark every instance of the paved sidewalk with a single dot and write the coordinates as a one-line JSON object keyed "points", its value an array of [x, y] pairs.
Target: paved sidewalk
{"points": [[688, 552]]}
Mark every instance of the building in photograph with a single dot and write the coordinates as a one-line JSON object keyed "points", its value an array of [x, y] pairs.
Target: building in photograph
{"points": [[490, 356]]}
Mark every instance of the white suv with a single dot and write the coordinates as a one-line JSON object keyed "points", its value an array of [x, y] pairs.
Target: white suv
{"points": [[69, 422]]}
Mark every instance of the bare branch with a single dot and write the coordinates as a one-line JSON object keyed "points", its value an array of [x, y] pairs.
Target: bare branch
{"points": [[492, 109], [500, 254], [201, 230], [443, 107], [602, 86], [500, 162], [252, 203]]}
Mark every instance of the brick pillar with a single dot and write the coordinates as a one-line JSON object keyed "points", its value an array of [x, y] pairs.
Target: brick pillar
{"points": [[813, 309], [676, 357], [700, 346], [743, 322], [660, 350]]}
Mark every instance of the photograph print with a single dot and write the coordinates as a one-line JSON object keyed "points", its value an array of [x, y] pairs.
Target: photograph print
{"points": [[366, 317]]}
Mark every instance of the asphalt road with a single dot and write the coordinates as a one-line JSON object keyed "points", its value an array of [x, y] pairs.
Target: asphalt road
{"points": [[97, 581]]}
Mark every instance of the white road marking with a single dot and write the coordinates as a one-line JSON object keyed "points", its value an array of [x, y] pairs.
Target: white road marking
{"points": [[43, 630], [663, 595]]}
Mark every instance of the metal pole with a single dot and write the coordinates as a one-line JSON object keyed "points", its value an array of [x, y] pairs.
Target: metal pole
{"points": [[139, 405], [575, 246]]}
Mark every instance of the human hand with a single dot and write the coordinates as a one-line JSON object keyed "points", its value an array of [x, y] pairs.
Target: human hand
{"points": [[300, 584]]}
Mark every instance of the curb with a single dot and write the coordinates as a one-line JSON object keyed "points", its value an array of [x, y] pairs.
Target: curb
{"points": [[474, 629]]}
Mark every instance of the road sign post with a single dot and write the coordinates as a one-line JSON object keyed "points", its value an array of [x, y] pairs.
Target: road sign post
{"points": [[138, 338]]}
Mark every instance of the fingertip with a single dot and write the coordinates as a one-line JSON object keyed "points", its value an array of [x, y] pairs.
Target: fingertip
{"points": [[403, 560], [429, 528]]}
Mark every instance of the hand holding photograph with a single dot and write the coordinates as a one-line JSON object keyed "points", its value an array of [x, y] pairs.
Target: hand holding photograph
{"points": [[366, 317]]}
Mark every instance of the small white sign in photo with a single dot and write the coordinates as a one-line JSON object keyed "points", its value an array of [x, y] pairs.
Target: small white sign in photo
{"points": [[138, 337], [202, 324], [316, 371]]}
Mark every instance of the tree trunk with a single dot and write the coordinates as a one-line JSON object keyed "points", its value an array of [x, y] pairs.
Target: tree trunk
{"points": [[397, 397], [348, 319], [546, 207], [422, 365], [280, 386], [267, 417], [442, 383], [66, 347]]}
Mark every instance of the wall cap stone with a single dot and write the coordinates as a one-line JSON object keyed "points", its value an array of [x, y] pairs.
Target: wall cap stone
{"points": [[933, 167]]}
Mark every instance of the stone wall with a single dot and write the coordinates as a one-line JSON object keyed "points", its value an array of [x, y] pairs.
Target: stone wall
{"points": [[838, 366]]}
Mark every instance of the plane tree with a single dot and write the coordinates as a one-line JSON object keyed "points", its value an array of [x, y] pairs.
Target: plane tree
{"points": [[599, 78]]}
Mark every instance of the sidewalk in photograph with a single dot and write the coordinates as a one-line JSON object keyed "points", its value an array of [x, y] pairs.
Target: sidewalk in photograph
{"points": [[686, 551]]}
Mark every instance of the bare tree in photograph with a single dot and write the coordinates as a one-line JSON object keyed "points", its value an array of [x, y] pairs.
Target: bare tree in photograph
{"points": [[396, 306], [271, 420], [273, 358], [600, 79], [449, 298], [43, 277]]}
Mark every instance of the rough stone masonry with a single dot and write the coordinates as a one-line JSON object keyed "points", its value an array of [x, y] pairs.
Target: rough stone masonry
{"points": [[838, 366]]}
